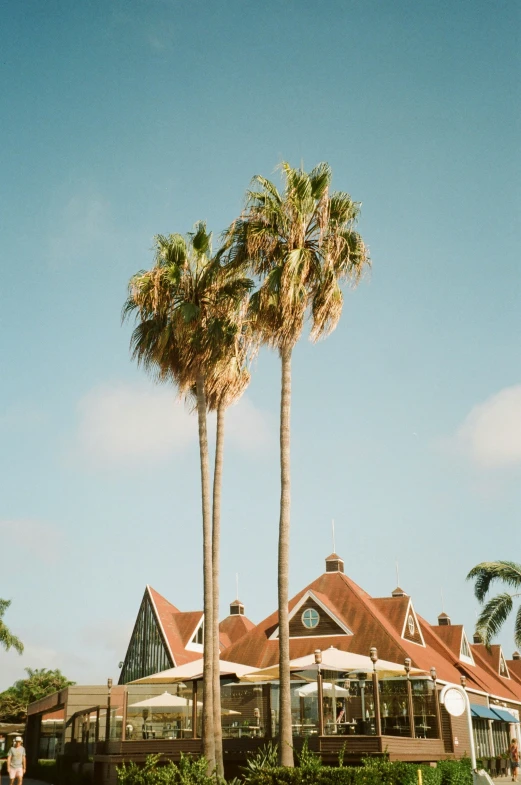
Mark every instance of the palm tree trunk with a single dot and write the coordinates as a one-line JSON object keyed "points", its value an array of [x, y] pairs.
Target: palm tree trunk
{"points": [[285, 730], [208, 725], [216, 541]]}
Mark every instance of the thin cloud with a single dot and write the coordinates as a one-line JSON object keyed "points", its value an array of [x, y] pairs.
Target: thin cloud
{"points": [[122, 424], [32, 537], [490, 435]]}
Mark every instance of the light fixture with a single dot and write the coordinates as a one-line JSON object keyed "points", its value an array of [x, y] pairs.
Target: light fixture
{"points": [[463, 680], [318, 656], [407, 665], [434, 675]]}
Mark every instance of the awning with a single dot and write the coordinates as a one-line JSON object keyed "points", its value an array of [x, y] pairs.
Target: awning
{"points": [[483, 712], [504, 716]]}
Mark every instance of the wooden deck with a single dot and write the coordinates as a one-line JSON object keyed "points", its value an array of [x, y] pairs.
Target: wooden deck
{"points": [[351, 748]]}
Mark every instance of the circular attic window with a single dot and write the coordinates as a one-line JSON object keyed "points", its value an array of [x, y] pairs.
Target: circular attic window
{"points": [[310, 618]]}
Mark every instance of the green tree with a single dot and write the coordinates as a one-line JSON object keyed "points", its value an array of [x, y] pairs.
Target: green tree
{"points": [[497, 609], [7, 639], [301, 244], [188, 308], [39, 683]]}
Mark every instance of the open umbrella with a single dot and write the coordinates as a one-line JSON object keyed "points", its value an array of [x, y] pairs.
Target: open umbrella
{"points": [[332, 660], [164, 701], [168, 701], [328, 689], [193, 670]]}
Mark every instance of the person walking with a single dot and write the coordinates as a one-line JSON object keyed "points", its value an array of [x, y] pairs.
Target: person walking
{"points": [[514, 759], [16, 761]]}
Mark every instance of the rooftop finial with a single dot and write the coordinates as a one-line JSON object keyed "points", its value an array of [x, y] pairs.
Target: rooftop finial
{"points": [[397, 573], [442, 601], [333, 532], [237, 584]]}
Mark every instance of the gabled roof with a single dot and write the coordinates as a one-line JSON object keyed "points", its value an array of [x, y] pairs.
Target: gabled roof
{"points": [[375, 622], [177, 627], [233, 627]]}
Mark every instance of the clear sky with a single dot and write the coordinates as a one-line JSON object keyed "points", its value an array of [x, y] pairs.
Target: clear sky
{"points": [[126, 118]]}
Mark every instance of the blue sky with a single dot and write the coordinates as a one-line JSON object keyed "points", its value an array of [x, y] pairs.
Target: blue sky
{"points": [[126, 119]]}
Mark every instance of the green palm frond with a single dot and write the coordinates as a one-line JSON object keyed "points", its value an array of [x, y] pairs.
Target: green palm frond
{"points": [[493, 616], [486, 573], [7, 639]]}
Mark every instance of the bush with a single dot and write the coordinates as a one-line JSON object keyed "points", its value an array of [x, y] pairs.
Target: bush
{"points": [[189, 771], [45, 770], [374, 771]]}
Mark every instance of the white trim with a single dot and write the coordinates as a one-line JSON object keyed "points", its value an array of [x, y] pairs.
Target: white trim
{"points": [[502, 657], [191, 646], [158, 619], [410, 611], [464, 657], [327, 611]]}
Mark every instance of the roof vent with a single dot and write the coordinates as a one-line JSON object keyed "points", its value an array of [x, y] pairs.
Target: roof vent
{"points": [[334, 563], [516, 656], [398, 592], [477, 638], [236, 608], [443, 620]]}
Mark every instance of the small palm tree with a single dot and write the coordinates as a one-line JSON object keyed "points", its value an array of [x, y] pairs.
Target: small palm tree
{"points": [[185, 306], [301, 244], [497, 609], [7, 639]]}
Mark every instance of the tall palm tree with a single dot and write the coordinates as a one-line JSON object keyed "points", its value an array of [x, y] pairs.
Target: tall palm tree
{"points": [[497, 609], [7, 639], [301, 244], [225, 384], [184, 306]]}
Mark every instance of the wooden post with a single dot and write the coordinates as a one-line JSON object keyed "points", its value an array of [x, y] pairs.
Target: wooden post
{"points": [[438, 710], [194, 709], [410, 706], [267, 721], [376, 701], [107, 723], [125, 708], [320, 692], [96, 732]]}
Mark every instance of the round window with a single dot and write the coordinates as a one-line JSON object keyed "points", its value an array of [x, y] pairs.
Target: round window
{"points": [[310, 618]]}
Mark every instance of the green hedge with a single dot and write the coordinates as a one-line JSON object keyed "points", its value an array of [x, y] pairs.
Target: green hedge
{"points": [[373, 772], [310, 772]]}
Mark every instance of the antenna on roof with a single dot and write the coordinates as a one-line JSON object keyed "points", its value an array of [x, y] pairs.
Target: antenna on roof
{"points": [[397, 573], [442, 601], [333, 532], [237, 584]]}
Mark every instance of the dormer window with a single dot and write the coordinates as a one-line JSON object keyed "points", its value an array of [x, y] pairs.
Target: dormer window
{"points": [[310, 618], [199, 635]]}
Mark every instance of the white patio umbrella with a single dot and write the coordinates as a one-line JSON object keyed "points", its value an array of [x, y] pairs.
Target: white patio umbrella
{"points": [[168, 701], [333, 660], [194, 670], [331, 690], [164, 701]]}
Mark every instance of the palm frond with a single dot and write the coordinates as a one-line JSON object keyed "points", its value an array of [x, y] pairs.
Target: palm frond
{"points": [[493, 616], [486, 572]]}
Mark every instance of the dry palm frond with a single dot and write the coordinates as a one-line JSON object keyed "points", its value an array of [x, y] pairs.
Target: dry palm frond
{"points": [[302, 244]]}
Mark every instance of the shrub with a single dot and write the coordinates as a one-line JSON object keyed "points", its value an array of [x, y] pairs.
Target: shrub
{"points": [[189, 771], [374, 771]]}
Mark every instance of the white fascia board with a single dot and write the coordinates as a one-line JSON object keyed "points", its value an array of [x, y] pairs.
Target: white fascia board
{"points": [[158, 619], [410, 611], [327, 611]]}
